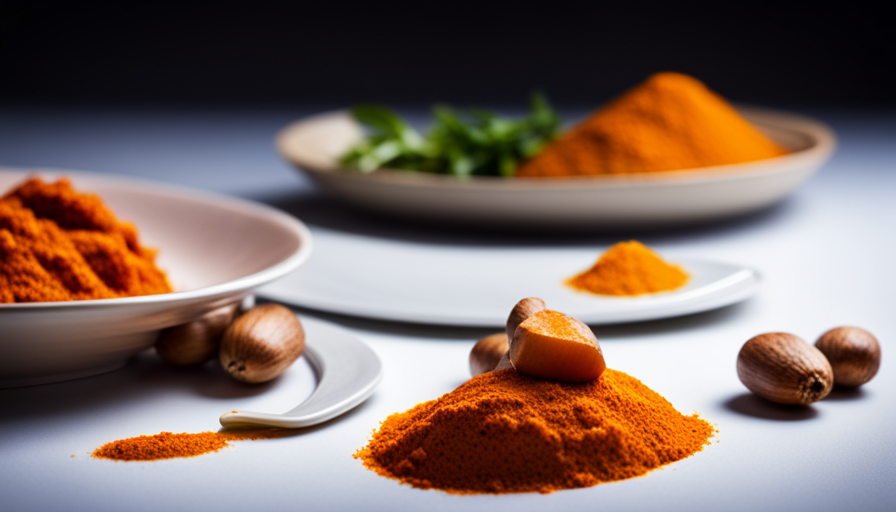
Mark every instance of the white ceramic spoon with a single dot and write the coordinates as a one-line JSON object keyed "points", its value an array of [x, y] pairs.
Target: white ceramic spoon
{"points": [[347, 370]]}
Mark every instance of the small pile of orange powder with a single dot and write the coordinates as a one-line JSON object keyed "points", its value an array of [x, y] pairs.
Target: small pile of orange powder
{"points": [[169, 446], [57, 245], [630, 268], [502, 432], [670, 122]]}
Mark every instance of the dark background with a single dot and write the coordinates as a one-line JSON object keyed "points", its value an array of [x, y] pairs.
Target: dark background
{"points": [[332, 53]]}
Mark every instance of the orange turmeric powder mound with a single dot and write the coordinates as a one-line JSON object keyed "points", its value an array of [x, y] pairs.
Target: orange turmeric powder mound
{"points": [[58, 245], [168, 446], [502, 432], [670, 122], [629, 268]]}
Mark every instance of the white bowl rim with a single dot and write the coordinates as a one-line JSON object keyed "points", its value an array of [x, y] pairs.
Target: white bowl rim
{"points": [[823, 143], [243, 283]]}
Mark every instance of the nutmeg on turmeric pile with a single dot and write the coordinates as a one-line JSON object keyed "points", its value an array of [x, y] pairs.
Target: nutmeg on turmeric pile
{"points": [[502, 432], [670, 122], [58, 245], [629, 268]]}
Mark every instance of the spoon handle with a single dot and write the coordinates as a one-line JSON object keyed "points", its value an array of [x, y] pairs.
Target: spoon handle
{"points": [[347, 371]]}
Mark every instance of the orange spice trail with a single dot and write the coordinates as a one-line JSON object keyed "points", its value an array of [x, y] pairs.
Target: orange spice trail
{"points": [[502, 432], [169, 446], [627, 269]]}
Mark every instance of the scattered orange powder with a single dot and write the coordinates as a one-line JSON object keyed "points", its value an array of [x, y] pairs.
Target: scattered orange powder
{"points": [[502, 432], [670, 122], [629, 268], [57, 245], [168, 446]]}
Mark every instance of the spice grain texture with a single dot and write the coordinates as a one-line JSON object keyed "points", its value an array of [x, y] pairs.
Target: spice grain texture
{"points": [[59, 245], [670, 122], [167, 445], [502, 432], [630, 268]]}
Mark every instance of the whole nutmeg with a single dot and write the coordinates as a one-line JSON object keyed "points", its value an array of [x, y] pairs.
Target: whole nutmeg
{"points": [[520, 312], [854, 354], [262, 343], [783, 368], [196, 342], [487, 353]]}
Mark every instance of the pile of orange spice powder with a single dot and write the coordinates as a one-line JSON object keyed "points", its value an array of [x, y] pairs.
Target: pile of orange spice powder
{"points": [[668, 123], [169, 446], [57, 244], [502, 432], [629, 268]]}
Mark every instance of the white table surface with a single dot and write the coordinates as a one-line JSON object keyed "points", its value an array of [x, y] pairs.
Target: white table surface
{"points": [[827, 255]]}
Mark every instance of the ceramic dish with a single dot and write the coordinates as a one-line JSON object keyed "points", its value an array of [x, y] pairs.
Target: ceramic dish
{"points": [[477, 287], [215, 249], [654, 199]]}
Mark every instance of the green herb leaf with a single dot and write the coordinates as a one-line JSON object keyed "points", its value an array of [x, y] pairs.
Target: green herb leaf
{"points": [[460, 142]]}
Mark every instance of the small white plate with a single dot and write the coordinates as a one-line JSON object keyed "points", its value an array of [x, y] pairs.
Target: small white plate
{"points": [[650, 199], [215, 249], [477, 287]]}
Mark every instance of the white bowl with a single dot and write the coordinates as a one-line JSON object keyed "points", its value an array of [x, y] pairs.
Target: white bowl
{"points": [[215, 250], [651, 199]]}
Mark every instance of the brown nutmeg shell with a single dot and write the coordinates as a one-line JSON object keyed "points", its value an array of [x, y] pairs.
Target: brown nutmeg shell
{"points": [[854, 354], [520, 312], [504, 363], [783, 368], [262, 343], [487, 352], [196, 342]]}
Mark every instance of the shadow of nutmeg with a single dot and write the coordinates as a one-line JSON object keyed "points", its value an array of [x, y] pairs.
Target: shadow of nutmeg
{"points": [[844, 394], [749, 404]]}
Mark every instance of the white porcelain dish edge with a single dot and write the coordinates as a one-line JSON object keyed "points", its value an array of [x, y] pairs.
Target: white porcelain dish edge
{"points": [[714, 285]]}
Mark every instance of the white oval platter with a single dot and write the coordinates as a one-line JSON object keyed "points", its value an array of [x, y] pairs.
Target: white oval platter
{"points": [[314, 144]]}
